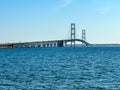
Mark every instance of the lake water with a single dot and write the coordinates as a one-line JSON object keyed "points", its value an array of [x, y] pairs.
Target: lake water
{"points": [[80, 68]]}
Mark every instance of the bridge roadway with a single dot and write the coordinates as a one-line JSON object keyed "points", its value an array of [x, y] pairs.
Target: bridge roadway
{"points": [[51, 43]]}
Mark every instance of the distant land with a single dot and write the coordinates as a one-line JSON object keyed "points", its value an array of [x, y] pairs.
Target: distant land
{"points": [[105, 45], [100, 45]]}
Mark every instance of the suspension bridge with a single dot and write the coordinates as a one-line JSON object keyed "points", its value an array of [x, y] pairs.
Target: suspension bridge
{"points": [[52, 43]]}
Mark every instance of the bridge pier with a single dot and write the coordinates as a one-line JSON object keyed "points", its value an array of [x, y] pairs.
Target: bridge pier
{"points": [[64, 44], [60, 43], [55, 44]]}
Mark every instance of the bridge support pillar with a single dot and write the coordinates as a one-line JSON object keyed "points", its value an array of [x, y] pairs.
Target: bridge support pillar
{"points": [[72, 34], [60, 43], [65, 44], [55, 44], [83, 36]]}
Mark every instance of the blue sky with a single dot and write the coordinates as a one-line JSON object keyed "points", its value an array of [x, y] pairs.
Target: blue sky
{"points": [[34, 20]]}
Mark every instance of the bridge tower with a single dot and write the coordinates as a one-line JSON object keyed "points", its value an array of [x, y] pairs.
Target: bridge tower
{"points": [[83, 35], [72, 34]]}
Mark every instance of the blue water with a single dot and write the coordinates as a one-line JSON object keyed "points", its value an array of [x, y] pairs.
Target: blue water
{"points": [[81, 68]]}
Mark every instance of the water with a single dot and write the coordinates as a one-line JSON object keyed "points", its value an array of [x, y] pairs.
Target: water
{"points": [[89, 68]]}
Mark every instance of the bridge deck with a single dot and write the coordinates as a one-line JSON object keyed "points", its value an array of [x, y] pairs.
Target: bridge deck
{"points": [[51, 43]]}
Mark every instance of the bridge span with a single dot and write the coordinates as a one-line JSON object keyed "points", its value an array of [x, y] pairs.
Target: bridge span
{"points": [[52, 43]]}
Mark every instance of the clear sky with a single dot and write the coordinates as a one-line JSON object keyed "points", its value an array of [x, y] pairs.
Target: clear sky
{"points": [[34, 20]]}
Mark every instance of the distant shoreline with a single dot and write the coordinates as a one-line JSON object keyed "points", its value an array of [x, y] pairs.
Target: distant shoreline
{"points": [[111, 45]]}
